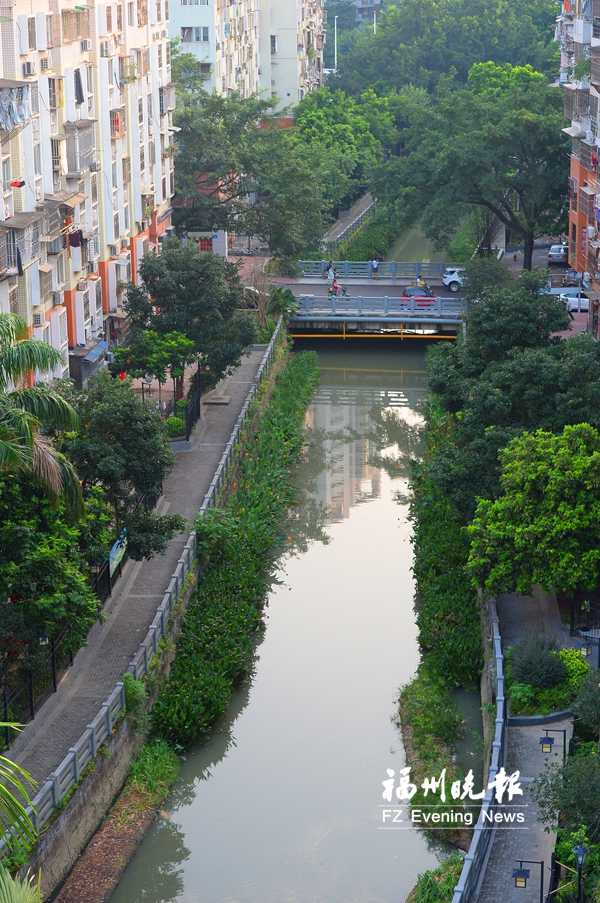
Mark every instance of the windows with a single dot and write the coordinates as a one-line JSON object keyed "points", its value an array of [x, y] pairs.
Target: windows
{"points": [[75, 25], [55, 93], [31, 33], [194, 34], [131, 14], [273, 43], [109, 27]]}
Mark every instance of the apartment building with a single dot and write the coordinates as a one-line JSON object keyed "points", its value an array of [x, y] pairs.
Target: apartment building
{"points": [[272, 46], [85, 129], [578, 32]]}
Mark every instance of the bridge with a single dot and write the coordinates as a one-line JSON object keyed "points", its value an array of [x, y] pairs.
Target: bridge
{"points": [[323, 316]]}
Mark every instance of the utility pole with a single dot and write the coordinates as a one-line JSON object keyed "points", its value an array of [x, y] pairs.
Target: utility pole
{"points": [[374, 22], [335, 18]]}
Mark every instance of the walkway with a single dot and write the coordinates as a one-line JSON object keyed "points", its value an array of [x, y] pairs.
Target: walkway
{"points": [[63, 718], [521, 616], [347, 219]]}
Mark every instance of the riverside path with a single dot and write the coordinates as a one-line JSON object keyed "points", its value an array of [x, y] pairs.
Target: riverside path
{"points": [[46, 740]]}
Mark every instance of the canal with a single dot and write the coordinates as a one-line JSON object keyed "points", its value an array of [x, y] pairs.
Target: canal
{"points": [[283, 804]]}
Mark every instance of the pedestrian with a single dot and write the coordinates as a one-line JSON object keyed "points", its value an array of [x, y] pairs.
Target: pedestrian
{"points": [[570, 308], [375, 268], [330, 272]]}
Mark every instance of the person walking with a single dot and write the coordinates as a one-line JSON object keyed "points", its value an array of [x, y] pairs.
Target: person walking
{"points": [[375, 268]]}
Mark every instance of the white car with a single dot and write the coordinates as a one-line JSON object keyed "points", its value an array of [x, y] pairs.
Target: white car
{"points": [[453, 277]]}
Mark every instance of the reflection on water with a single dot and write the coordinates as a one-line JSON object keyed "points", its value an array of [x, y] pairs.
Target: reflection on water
{"points": [[283, 804]]}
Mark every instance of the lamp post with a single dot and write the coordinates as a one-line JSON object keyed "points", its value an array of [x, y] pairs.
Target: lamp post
{"points": [[580, 852], [335, 18], [521, 875], [548, 742]]}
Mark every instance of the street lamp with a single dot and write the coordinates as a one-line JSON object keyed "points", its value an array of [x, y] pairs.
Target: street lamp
{"points": [[548, 742], [521, 875], [335, 18], [580, 852]]}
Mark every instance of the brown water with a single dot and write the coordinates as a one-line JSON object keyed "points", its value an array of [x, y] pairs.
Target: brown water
{"points": [[283, 804]]}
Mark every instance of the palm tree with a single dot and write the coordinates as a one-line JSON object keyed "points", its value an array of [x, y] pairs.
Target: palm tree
{"points": [[13, 890], [16, 827], [22, 411]]}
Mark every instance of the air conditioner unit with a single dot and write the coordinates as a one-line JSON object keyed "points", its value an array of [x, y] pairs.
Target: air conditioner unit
{"points": [[28, 69], [591, 231], [85, 46], [38, 319], [82, 285], [94, 166], [45, 63], [124, 257], [58, 298]]}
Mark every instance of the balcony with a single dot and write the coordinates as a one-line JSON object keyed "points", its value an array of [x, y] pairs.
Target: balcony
{"points": [[167, 99], [15, 109], [81, 147], [577, 102], [117, 123]]}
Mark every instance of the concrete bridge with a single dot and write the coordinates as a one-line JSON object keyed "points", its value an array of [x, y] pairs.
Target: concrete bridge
{"points": [[362, 316]]}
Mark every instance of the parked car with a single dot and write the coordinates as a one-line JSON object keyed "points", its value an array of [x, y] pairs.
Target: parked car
{"points": [[572, 277], [558, 254], [453, 278], [422, 296]]}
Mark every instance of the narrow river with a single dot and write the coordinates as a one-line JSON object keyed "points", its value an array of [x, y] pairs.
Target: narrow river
{"points": [[283, 805]]}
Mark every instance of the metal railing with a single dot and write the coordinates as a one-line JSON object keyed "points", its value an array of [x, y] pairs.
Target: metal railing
{"points": [[350, 229], [320, 307], [387, 269], [59, 783], [475, 859]]}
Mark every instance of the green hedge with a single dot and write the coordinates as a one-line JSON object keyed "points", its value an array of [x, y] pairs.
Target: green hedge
{"points": [[216, 645], [448, 616]]}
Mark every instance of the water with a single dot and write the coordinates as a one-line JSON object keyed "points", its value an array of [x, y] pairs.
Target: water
{"points": [[283, 804]]}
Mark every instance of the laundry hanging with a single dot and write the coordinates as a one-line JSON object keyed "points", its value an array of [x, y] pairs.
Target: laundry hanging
{"points": [[79, 95]]}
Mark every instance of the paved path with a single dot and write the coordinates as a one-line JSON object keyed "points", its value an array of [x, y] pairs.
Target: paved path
{"points": [[344, 221], [522, 616], [63, 718]]}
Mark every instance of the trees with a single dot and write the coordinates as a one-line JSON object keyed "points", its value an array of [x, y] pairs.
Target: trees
{"points": [[545, 527], [43, 576], [121, 447], [563, 796], [420, 41], [197, 295], [153, 355], [23, 410], [242, 170], [495, 144]]}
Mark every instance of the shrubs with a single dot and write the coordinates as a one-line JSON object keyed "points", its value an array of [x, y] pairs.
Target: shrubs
{"points": [[437, 885], [535, 662], [175, 426], [527, 698], [217, 642]]}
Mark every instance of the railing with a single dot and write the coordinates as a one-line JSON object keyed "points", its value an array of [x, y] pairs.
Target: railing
{"points": [[326, 307], [387, 269], [350, 229], [59, 783], [482, 834]]}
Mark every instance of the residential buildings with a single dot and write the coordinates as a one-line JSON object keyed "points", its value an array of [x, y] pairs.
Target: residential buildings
{"points": [[578, 31], [86, 107], [272, 46]]}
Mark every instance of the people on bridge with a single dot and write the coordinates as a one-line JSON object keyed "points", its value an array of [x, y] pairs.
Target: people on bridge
{"points": [[375, 267]]}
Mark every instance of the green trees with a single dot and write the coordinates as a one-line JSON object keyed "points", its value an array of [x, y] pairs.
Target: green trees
{"points": [[495, 144], [22, 411], [122, 449], [544, 528], [419, 41], [197, 296]]}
